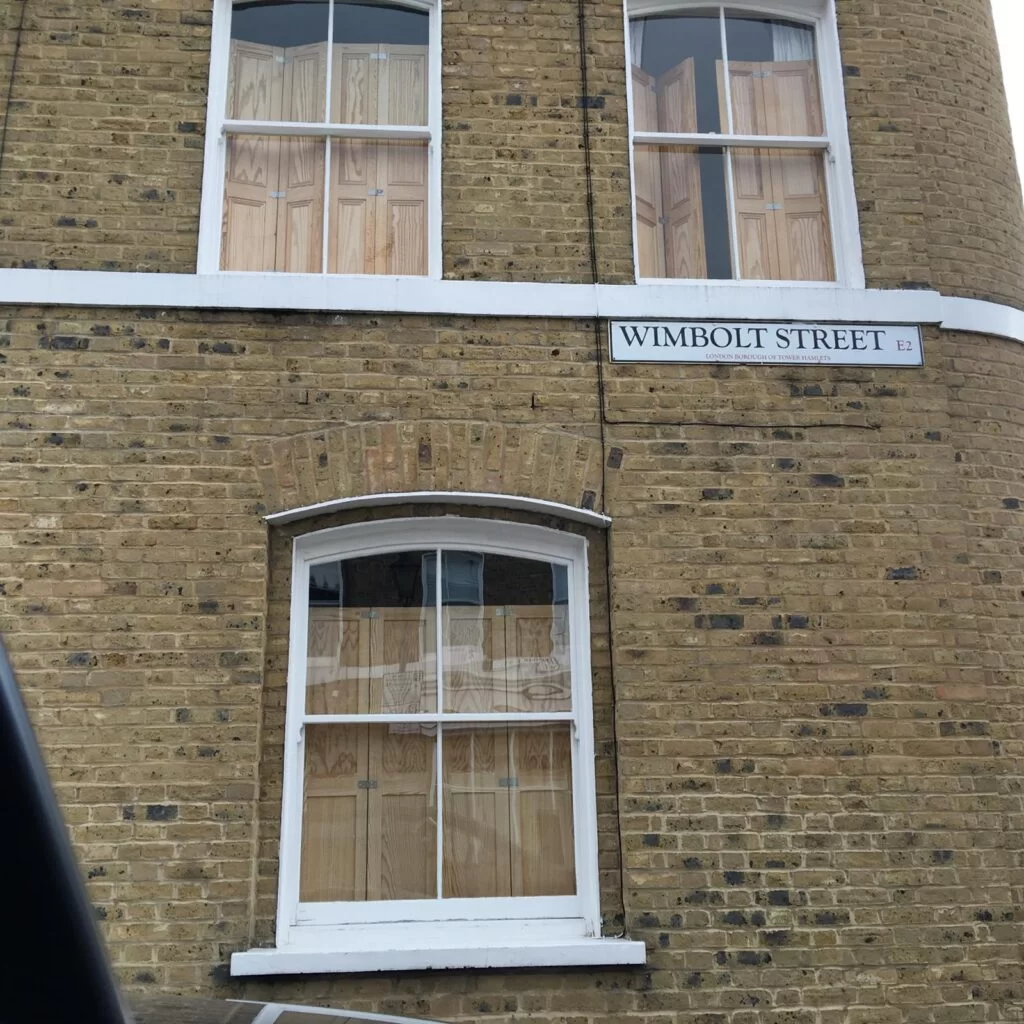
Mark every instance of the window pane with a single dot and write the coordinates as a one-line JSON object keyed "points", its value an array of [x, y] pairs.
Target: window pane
{"points": [[278, 68], [675, 72], [682, 220], [273, 204], [380, 65], [378, 211], [505, 630], [508, 827], [372, 636], [782, 215], [369, 821], [772, 77]]}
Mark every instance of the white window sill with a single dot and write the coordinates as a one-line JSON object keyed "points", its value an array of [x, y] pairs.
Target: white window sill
{"points": [[562, 953]]}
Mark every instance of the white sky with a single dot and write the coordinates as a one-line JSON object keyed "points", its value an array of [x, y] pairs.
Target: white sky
{"points": [[1010, 26]]}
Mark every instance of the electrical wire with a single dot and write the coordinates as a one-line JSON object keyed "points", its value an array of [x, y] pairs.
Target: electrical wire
{"points": [[588, 168], [10, 83]]}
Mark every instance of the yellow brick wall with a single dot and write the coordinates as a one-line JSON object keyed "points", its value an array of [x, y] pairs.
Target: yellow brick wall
{"points": [[816, 646], [817, 575]]}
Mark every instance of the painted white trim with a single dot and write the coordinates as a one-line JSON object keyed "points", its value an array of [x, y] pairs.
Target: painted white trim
{"points": [[473, 498], [441, 957], [218, 127], [978, 317], [667, 300], [349, 929]]}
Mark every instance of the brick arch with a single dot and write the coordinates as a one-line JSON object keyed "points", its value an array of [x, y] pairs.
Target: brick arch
{"points": [[393, 458]]}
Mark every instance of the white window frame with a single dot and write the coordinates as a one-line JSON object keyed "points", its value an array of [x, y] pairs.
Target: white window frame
{"points": [[211, 209], [401, 924], [842, 202]]}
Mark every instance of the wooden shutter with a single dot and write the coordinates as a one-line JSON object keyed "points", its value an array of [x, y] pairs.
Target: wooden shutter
{"points": [[477, 843], [543, 862], [379, 189], [537, 660], [680, 176], [401, 830], [273, 212], [334, 813], [780, 199], [300, 215], [255, 92], [474, 659], [650, 235]]}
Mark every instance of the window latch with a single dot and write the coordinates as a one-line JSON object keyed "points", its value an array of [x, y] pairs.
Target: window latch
{"points": [[773, 206], [508, 782], [375, 191], [366, 784], [278, 195]]}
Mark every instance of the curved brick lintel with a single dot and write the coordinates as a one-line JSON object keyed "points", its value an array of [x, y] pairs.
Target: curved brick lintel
{"points": [[386, 458]]}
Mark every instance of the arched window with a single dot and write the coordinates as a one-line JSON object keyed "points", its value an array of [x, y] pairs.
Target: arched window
{"points": [[741, 166], [439, 797], [322, 138]]}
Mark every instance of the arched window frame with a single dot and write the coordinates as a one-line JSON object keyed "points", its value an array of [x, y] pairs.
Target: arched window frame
{"points": [[208, 260], [482, 932], [844, 221]]}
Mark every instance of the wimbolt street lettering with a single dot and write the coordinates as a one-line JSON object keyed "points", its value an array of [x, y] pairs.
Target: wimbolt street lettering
{"points": [[745, 342]]}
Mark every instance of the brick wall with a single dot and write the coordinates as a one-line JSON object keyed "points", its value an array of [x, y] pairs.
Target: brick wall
{"points": [[816, 589], [816, 643]]}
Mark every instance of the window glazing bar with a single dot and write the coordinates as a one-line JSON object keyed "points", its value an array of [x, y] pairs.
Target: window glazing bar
{"points": [[341, 131], [734, 141]]}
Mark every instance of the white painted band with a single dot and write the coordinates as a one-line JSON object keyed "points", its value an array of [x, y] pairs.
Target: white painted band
{"points": [[568, 953], [474, 498], [377, 294]]}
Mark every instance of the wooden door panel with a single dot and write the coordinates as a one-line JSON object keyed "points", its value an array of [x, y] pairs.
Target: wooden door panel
{"points": [[647, 180], [401, 853], [354, 90], [543, 860], [537, 659], [255, 82], [300, 206], [351, 221], [405, 248], [757, 243], [403, 676], [682, 206], [792, 99], [476, 812], [474, 659], [333, 853], [249, 235], [305, 83], [337, 662], [403, 90]]}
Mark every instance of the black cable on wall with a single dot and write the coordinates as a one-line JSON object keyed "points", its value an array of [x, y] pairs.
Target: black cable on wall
{"points": [[588, 168], [10, 83]]}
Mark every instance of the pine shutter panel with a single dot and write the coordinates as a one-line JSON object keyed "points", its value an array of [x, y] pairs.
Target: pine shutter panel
{"points": [[334, 814], [354, 100], [753, 189], [793, 107], [255, 90], [401, 830], [477, 854], [301, 178], [680, 176], [650, 237], [400, 230], [539, 677], [543, 862]]}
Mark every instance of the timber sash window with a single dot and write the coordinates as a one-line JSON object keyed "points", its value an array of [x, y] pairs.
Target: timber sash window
{"points": [[437, 762], [731, 147], [327, 138]]}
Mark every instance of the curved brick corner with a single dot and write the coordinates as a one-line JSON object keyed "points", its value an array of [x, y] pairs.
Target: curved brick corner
{"points": [[431, 456]]}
